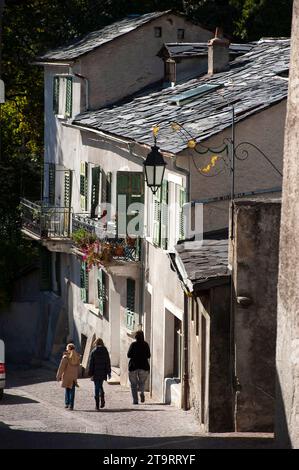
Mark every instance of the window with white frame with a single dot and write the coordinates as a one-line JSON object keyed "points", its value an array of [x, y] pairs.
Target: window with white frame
{"points": [[62, 95], [166, 215]]}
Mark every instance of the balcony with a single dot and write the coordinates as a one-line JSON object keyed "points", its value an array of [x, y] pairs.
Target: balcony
{"points": [[114, 249], [42, 221]]}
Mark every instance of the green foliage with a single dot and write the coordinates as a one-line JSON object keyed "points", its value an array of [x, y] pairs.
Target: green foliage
{"points": [[262, 18], [83, 238]]}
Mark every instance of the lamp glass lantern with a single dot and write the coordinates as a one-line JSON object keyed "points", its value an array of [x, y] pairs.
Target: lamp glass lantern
{"points": [[154, 168]]}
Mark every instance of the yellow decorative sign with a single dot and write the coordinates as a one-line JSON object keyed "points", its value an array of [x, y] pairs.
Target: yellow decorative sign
{"points": [[192, 144], [156, 130], [212, 163]]}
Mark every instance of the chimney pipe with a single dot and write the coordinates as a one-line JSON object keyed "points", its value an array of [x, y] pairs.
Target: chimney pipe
{"points": [[218, 53]]}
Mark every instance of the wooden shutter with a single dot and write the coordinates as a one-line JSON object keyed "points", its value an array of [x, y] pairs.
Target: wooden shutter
{"points": [[67, 188], [164, 215], [157, 218], [109, 187], [83, 185], [130, 310], [68, 96], [95, 185], [45, 269], [56, 81], [101, 293], [52, 183], [182, 201], [84, 282], [131, 185]]}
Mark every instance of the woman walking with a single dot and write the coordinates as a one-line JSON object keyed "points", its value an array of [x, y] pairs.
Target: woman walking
{"points": [[99, 369], [139, 353], [68, 372]]}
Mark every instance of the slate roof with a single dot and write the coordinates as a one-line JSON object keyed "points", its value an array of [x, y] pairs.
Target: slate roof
{"points": [[95, 39], [251, 85], [205, 262], [181, 49]]}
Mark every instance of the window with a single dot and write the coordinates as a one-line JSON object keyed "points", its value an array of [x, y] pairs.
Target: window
{"points": [[84, 282], [158, 32], [51, 183], [62, 96], [181, 34], [83, 185], [130, 189], [130, 310], [182, 201], [95, 186], [103, 293], [160, 222]]}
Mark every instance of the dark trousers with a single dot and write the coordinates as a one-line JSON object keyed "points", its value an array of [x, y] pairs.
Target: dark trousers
{"points": [[70, 396], [98, 387]]}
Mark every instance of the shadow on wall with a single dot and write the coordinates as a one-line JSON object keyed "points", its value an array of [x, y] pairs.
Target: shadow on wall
{"points": [[281, 424]]}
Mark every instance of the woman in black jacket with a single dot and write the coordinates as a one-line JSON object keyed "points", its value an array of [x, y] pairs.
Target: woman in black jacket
{"points": [[139, 353], [99, 369]]}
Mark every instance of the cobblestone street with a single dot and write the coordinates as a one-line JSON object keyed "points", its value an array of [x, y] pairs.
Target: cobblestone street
{"points": [[32, 415]]}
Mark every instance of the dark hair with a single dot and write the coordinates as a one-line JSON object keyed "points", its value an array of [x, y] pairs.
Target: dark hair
{"points": [[139, 336]]}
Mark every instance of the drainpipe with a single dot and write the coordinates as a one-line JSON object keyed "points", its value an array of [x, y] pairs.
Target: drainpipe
{"points": [[185, 355]]}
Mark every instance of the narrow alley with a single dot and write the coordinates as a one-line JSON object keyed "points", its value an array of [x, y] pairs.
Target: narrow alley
{"points": [[32, 415]]}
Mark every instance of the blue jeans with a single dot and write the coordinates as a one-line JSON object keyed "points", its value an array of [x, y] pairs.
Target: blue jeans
{"points": [[98, 387], [70, 396]]}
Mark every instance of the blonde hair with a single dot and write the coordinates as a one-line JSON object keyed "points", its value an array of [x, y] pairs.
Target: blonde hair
{"points": [[72, 354]]}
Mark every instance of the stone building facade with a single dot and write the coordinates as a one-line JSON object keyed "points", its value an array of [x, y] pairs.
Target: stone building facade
{"points": [[287, 361]]}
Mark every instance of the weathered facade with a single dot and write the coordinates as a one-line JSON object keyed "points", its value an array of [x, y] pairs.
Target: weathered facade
{"points": [[254, 259], [287, 361], [95, 147]]}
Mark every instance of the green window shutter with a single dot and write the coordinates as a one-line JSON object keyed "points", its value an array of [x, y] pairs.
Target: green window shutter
{"points": [[104, 187], [182, 201], [131, 185], [83, 185], [109, 187], [157, 218], [102, 293], [67, 188], [130, 311], [84, 282], [131, 295], [68, 96], [95, 185], [45, 270], [164, 215], [56, 81], [52, 183]]}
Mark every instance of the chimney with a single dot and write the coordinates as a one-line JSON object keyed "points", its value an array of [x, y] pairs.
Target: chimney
{"points": [[218, 53]]}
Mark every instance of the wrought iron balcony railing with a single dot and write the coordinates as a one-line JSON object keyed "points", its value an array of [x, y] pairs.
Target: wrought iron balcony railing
{"points": [[45, 221], [98, 227], [112, 247]]}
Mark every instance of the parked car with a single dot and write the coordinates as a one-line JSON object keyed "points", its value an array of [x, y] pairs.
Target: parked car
{"points": [[2, 368]]}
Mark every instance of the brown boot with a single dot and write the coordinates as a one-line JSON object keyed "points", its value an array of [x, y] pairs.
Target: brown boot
{"points": [[102, 400], [97, 399]]}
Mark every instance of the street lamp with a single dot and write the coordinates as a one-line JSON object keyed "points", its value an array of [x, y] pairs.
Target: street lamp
{"points": [[154, 168]]}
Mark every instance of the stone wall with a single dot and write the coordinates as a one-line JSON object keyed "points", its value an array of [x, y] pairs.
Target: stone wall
{"points": [[287, 422], [255, 272]]}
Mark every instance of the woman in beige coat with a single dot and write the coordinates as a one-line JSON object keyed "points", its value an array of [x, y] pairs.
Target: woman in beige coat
{"points": [[68, 372]]}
